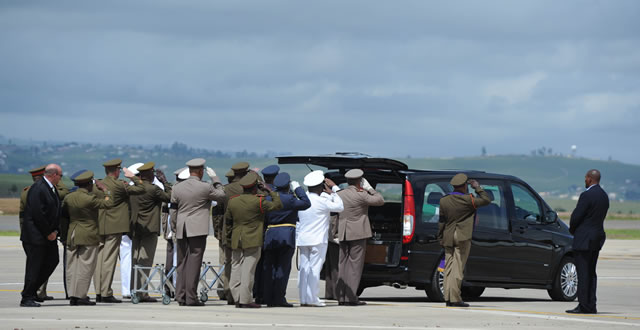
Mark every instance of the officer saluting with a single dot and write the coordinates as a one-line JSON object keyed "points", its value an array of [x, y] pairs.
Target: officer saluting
{"points": [[280, 240], [246, 213], [82, 239], [457, 213], [113, 223]]}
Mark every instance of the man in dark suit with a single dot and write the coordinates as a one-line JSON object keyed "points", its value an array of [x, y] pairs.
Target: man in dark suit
{"points": [[39, 232], [588, 237]]}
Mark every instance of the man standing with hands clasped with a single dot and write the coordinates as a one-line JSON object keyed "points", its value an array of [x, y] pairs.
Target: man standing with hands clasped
{"points": [[588, 238], [457, 214]]}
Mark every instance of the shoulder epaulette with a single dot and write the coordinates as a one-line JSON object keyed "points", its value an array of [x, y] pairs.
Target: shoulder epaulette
{"points": [[232, 197]]}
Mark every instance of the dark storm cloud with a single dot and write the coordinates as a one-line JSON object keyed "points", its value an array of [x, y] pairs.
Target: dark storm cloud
{"points": [[394, 78]]}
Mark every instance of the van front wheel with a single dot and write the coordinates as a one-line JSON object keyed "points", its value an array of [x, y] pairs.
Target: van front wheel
{"points": [[435, 291]]}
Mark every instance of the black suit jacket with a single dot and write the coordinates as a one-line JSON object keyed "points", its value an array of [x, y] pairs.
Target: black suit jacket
{"points": [[42, 213], [587, 220]]}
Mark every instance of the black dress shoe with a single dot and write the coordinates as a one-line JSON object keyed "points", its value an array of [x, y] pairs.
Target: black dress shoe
{"points": [[29, 303], [355, 303], [180, 303], [98, 298], [286, 304], [38, 299], [230, 302], [47, 298], [111, 299], [340, 303], [579, 310], [457, 304], [251, 305], [75, 301], [126, 297], [197, 303]]}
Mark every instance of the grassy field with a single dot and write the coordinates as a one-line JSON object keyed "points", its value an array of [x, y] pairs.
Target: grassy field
{"points": [[623, 234], [9, 233], [9, 206], [617, 210]]}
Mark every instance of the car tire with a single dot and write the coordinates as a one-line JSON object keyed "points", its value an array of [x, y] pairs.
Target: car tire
{"points": [[472, 291], [565, 282], [435, 291]]}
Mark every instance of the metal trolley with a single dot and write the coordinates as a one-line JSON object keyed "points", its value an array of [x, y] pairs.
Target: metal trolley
{"points": [[148, 286], [216, 271]]}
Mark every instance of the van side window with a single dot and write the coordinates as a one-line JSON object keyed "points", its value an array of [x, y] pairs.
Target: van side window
{"points": [[527, 206], [494, 215], [431, 206]]}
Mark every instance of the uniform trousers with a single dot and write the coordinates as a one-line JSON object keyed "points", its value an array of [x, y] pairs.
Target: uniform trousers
{"points": [[108, 252], [331, 271], [142, 253], [190, 253], [587, 279], [311, 261], [81, 264], [276, 267], [243, 272], [125, 265], [350, 269], [41, 262], [226, 275], [455, 260]]}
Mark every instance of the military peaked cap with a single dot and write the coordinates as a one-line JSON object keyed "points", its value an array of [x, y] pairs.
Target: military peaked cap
{"points": [[37, 171], [240, 167], [146, 167], [459, 180], [249, 180], [83, 177], [113, 162], [196, 162]]}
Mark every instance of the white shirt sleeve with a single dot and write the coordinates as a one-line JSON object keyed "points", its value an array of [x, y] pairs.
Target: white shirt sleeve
{"points": [[334, 202]]}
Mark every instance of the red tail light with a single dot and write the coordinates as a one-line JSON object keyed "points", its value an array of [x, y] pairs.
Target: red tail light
{"points": [[408, 220]]}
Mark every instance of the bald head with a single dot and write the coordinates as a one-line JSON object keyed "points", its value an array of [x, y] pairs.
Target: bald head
{"points": [[53, 173], [592, 177]]}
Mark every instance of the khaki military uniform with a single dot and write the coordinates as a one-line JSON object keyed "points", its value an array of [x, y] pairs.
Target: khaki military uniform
{"points": [[113, 222], [354, 229], [246, 214], [146, 227], [82, 239], [457, 213], [193, 199], [230, 190]]}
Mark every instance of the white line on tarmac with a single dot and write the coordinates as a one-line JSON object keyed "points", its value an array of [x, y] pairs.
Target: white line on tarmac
{"points": [[619, 277], [547, 317], [52, 323]]}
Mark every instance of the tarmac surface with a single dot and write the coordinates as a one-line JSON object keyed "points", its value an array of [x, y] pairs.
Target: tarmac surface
{"points": [[387, 308], [10, 223]]}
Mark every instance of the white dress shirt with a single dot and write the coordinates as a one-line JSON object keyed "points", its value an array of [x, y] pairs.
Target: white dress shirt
{"points": [[313, 226]]}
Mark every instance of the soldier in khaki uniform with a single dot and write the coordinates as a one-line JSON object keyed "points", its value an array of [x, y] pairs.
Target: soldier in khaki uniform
{"points": [[353, 231], [146, 223], [232, 189], [217, 219], [114, 222], [193, 197], [82, 239], [37, 174], [457, 213], [246, 214]]}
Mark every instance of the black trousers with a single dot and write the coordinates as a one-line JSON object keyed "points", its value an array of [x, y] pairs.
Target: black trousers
{"points": [[331, 271], [587, 279], [42, 260], [258, 290], [275, 274]]}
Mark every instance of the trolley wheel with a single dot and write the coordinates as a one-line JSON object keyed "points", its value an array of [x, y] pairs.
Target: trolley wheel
{"points": [[135, 299], [166, 299], [203, 296]]}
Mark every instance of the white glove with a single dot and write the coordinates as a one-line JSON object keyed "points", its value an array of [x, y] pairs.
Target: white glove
{"points": [[294, 185], [210, 172], [365, 185]]}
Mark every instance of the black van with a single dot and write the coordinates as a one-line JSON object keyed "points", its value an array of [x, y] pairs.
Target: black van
{"points": [[518, 240]]}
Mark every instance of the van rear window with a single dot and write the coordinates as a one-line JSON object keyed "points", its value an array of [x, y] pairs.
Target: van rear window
{"points": [[392, 192]]}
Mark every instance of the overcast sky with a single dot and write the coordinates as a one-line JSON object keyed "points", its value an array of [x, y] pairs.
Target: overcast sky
{"points": [[389, 78]]}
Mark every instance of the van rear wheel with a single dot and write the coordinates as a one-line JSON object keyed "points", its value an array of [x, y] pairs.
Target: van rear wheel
{"points": [[435, 291]]}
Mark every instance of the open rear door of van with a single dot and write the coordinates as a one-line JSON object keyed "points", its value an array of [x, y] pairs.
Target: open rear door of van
{"points": [[385, 247]]}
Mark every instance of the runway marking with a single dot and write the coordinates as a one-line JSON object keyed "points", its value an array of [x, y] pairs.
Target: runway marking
{"points": [[227, 324], [587, 318]]}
